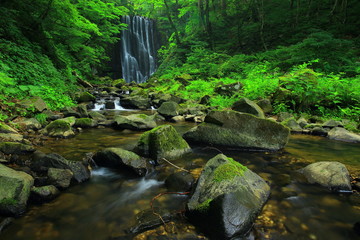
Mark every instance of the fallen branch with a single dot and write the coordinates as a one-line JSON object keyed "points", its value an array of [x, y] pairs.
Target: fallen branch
{"points": [[182, 169]]}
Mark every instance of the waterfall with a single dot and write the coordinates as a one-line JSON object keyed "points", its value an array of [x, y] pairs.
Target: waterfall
{"points": [[138, 49]]}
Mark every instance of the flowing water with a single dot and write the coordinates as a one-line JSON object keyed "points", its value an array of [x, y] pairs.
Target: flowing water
{"points": [[106, 205]]}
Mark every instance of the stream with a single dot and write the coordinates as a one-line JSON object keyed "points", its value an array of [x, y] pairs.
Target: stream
{"points": [[105, 207]]}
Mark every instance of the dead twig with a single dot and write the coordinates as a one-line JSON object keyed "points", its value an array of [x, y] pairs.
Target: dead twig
{"points": [[182, 169]]}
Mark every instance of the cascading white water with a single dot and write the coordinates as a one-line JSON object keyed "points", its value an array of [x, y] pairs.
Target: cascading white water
{"points": [[138, 49]]}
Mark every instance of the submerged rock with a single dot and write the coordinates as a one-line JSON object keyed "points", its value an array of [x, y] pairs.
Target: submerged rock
{"points": [[14, 190], [227, 198], [120, 158], [240, 130], [162, 142], [333, 175], [135, 122], [44, 193], [179, 182], [341, 134], [247, 106], [59, 128]]}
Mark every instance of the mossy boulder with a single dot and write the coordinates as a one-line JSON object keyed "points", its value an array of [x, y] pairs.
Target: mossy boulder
{"points": [[169, 109], [37, 104], [29, 123], [85, 123], [135, 102], [86, 97], [239, 130], [15, 148], [227, 198], [7, 129], [135, 122], [97, 116], [44, 193], [332, 175], [59, 128], [60, 177], [162, 142], [341, 134], [292, 124], [11, 137], [121, 158], [179, 182], [265, 105], [247, 106], [14, 190]]}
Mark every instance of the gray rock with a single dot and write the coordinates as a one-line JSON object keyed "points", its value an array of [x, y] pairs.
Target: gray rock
{"points": [[319, 131], [97, 116], [179, 182], [82, 110], [14, 190], [44, 193], [302, 122], [341, 134], [283, 116], [59, 128], [135, 122], [15, 148], [60, 177], [11, 137], [332, 123], [178, 119], [247, 106], [240, 130], [169, 109], [162, 142], [333, 175], [265, 105], [292, 124], [227, 198], [86, 97], [37, 103], [136, 102], [121, 158], [30, 123]]}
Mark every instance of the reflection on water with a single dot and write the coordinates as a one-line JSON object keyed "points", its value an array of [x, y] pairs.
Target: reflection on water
{"points": [[107, 204]]}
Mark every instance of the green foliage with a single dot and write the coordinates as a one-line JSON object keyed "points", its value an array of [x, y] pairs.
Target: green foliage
{"points": [[42, 118]]}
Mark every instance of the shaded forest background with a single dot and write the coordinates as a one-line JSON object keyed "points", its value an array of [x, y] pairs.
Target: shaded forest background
{"points": [[302, 54]]}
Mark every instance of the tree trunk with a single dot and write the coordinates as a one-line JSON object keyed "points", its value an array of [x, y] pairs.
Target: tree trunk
{"points": [[168, 13]]}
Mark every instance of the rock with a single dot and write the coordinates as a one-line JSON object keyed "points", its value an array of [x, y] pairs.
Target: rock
{"points": [[60, 177], [136, 102], [341, 134], [85, 123], [86, 97], [44, 193], [97, 116], [146, 220], [247, 106], [70, 112], [59, 128], [302, 122], [332, 123], [265, 105], [135, 122], [333, 175], [319, 131], [162, 142], [169, 109], [4, 223], [6, 129], [227, 198], [283, 116], [179, 182], [205, 100], [82, 110], [11, 137], [292, 124], [36, 103], [29, 123], [41, 163], [227, 89], [109, 105], [240, 130], [178, 119], [15, 148], [14, 190], [120, 158]]}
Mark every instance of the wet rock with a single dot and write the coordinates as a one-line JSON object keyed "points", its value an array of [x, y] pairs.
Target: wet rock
{"points": [[332, 123], [7, 129], [11, 137], [110, 105], [4, 223], [162, 142], [15, 148], [59, 128], [44, 193], [60, 177], [169, 109], [14, 190], [302, 122], [319, 131], [245, 105], [240, 130], [82, 110], [135, 122], [35, 103], [227, 198], [85, 123], [178, 119], [41, 163], [292, 124], [332, 175], [70, 112], [86, 97], [341, 134], [97, 116], [265, 105], [136, 102], [146, 220], [179, 182], [29, 123], [121, 158]]}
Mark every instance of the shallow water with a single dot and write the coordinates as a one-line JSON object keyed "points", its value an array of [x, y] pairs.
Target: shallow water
{"points": [[106, 205]]}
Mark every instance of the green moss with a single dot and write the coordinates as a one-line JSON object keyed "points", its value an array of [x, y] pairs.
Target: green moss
{"points": [[84, 122], [8, 201], [204, 206], [58, 124], [228, 171], [143, 116]]}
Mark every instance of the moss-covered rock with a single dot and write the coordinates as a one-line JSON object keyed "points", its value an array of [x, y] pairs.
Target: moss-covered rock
{"points": [[169, 109], [86, 97], [59, 128], [228, 197], [162, 142], [6, 129], [85, 123], [136, 102], [97, 116], [14, 190], [292, 124], [44, 193], [15, 148], [11, 137], [60, 177], [29, 123], [135, 122], [247, 106], [240, 130], [121, 158], [37, 104]]}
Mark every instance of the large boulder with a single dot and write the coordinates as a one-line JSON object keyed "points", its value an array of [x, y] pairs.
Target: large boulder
{"points": [[247, 106], [42, 163], [15, 189], [162, 142], [29, 123], [15, 148], [135, 122], [85, 123], [341, 134], [35, 103], [240, 130], [136, 102], [333, 175], [169, 109], [265, 105], [60, 177], [11, 137], [86, 97], [227, 198], [120, 158], [292, 124], [59, 128]]}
